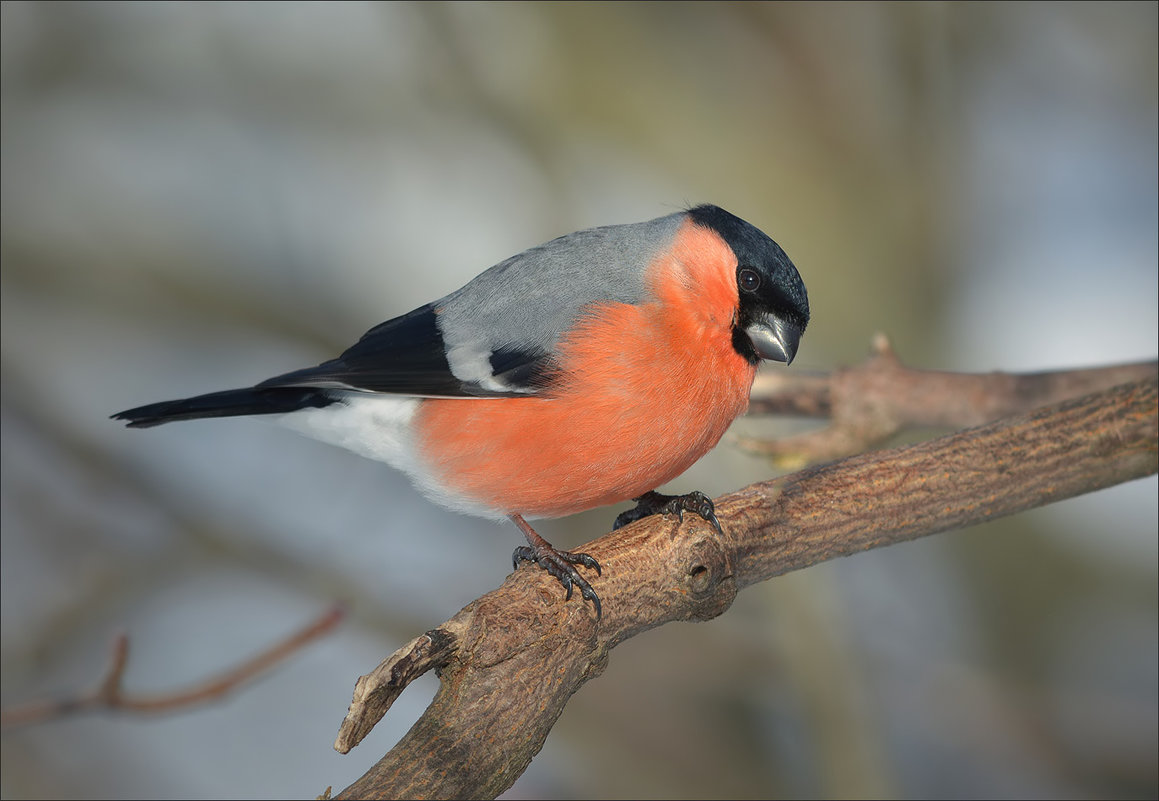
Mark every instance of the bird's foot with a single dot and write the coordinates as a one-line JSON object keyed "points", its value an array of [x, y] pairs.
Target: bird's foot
{"points": [[560, 564], [652, 503]]}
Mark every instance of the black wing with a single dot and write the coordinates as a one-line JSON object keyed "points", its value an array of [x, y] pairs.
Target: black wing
{"points": [[407, 356], [403, 356]]}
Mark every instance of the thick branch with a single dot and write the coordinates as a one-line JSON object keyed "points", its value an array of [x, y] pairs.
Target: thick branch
{"points": [[509, 661], [970, 477]]}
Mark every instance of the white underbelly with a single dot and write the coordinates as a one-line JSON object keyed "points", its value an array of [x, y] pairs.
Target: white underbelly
{"points": [[379, 427]]}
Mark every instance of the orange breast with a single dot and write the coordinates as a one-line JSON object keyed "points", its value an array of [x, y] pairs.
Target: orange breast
{"points": [[650, 388]]}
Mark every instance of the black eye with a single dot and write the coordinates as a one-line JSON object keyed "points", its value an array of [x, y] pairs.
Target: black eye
{"points": [[748, 279]]}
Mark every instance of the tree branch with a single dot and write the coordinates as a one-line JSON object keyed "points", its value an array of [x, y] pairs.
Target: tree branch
{"points": [[879, 398], [110, 694], [509, 661]]}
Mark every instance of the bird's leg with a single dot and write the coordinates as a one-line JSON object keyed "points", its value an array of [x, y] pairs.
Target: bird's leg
{"points": [[652, 503], [560, 564]]}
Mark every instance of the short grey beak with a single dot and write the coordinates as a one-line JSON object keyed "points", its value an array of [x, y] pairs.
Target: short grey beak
{"points": [[774, 338]]}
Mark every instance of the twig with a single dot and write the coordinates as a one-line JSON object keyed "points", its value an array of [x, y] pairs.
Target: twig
{"points": [[509, 661], [110, 694], [878, 399]]}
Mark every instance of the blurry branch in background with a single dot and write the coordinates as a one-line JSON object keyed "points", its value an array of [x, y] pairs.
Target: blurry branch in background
{"points": [[110, 695], [509, 661], [871, 402]]}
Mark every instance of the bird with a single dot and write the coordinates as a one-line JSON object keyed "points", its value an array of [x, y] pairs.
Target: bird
{"points": [[580, 373]]}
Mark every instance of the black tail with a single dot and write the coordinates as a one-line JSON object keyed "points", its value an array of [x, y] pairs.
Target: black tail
{"points": [[231, 403]]}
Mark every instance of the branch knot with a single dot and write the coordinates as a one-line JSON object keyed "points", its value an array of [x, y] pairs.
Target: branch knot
{"points": [[708, 577]]}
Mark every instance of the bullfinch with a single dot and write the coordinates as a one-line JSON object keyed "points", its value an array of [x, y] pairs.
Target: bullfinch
{"points": [[583, 372]]}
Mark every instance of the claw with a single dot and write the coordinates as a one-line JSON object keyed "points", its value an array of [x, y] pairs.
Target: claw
{"points": [[560, 564], [652, 503]]}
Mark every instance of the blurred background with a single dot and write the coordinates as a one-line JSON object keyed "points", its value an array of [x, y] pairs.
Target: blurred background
{"points": [[200, 196]]}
